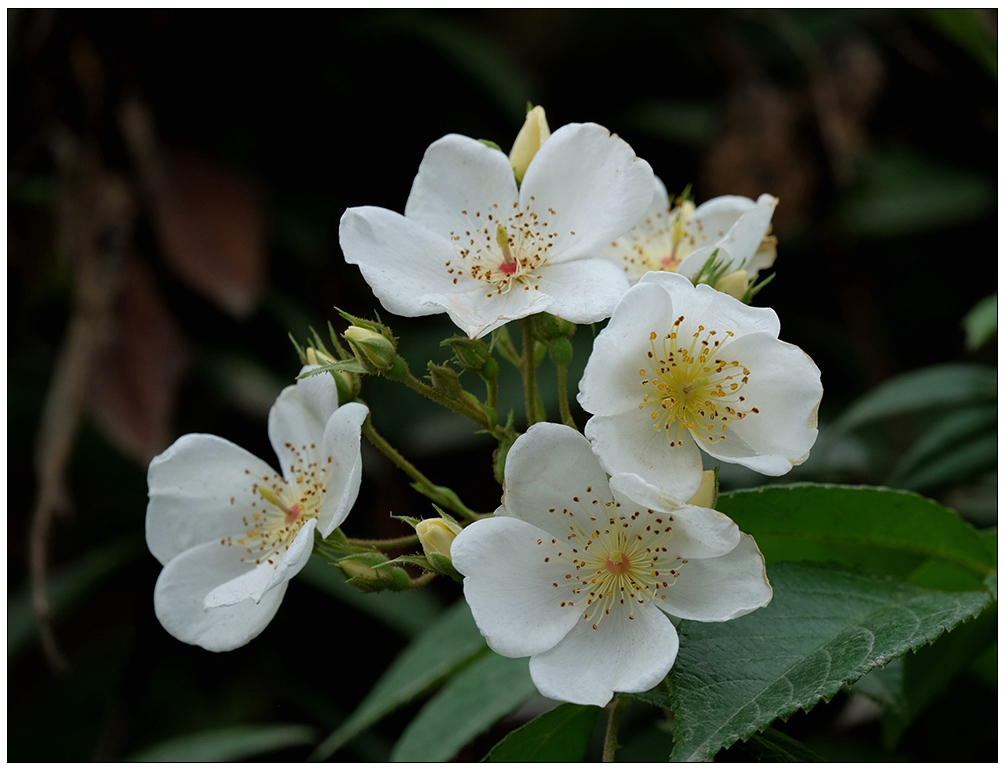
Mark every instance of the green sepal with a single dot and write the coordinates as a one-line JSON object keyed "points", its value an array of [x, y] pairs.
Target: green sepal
{"points": [[445, 380], [410, 520], [372, 572], [490, 143], [753, 289], [712, 271], [472, 355]]}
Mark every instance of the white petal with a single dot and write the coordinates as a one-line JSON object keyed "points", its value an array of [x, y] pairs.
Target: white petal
{"points": [[478, 314], [182, 587], [611, 383], [785, 387], [721, 588], [341, 443], [299, 416], [594, 183], [583, 291], [509, 587], [200, 488], [649, 240], [547, 469], [627, 443], [459, 174], [713, 219], [624, 655], [274, 570], [403, 262], [744, 238], [715, 310]]}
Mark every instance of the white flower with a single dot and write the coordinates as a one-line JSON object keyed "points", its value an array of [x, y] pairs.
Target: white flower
{"points": [[231, 532], [474, 246], [681, 238], [574, 574], [680, 367]]}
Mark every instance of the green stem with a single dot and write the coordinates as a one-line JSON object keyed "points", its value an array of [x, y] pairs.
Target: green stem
{"points": [[613, 723], [562, 371], [451, 404], [528, 369], [384, 544], [441, 495]]}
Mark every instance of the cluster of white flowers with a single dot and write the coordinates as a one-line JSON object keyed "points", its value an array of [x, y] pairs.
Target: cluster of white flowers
{"points": [[601, 540]]}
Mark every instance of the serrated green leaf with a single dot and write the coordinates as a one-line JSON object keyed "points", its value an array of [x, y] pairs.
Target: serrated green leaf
{"points": [[559, 736], [952, 385], [825, 628], [445, 645], [473, 700], [883, 530], [226, 744]]}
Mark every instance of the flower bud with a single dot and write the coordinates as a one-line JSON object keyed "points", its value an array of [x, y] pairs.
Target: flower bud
{"points": [[473, 355], [436, 535], [367, 573], [316, 356], [445, 380], [708, 491], [532, 135], [372, 348], [734, 284]]}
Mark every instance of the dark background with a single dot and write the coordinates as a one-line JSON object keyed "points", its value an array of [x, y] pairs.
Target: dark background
{"points": [[175, 182]]}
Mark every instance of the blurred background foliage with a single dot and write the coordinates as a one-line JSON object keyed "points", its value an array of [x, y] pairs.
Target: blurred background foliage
{"points": [[175, 182]]}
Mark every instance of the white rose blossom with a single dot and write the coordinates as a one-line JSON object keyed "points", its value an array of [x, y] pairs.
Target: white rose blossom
{"points": [[231, 532], [679, 368], [681, 238], [575, 574], [473, 245]]}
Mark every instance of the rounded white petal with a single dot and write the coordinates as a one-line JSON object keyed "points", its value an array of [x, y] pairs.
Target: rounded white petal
{"points": [[341, 443], [274, 569], [552, 480], [478, 314], [715, 310], [627, 444], [583, 291], [509, 585], [721, 588], [200, 488], [181, 591], [593, 182], [404, 263], [611, 383], [621, 654], [785, 387], [298, 417], [649, 240], [714, 218], [459, 175]]}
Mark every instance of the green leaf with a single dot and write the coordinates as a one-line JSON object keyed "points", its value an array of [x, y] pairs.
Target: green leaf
{"points": [[965, 27], [981, 322], [942, 385], [473, 700], [447, 644], [226, 744], [964, 461], [559, 736], [883, 530], [824, 629], [948, 445], [772, 746], [406, 612]]}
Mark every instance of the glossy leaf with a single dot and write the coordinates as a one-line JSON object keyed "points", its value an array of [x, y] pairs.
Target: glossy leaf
{"points": [[981, 322], [490, 689], [948, 444], [559, 736], [887, 531], [824, 629], [444, 646]]}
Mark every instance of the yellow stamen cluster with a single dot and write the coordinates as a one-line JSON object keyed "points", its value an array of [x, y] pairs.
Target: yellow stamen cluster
{"points": [[285, 505], [623, 562], [503, 249], [691, 388]]}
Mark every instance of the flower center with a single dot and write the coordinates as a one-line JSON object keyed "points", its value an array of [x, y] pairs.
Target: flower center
{"points": [[623, 562], [283, 506], [661, 241], [692, 388], [502, 249]]}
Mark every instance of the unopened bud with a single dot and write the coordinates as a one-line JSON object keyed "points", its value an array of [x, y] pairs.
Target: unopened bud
{"points": [[436, 535], [708, 491], [473, 355], [445, 380], [734, 284], [315, 356], [366, 573], [372, 348], [532, 135]]}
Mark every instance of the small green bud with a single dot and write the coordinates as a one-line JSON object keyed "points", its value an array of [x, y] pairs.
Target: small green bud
{"points": [[473, 355], [560, 351], [372, 348], [367, 573], [445, 380]]}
